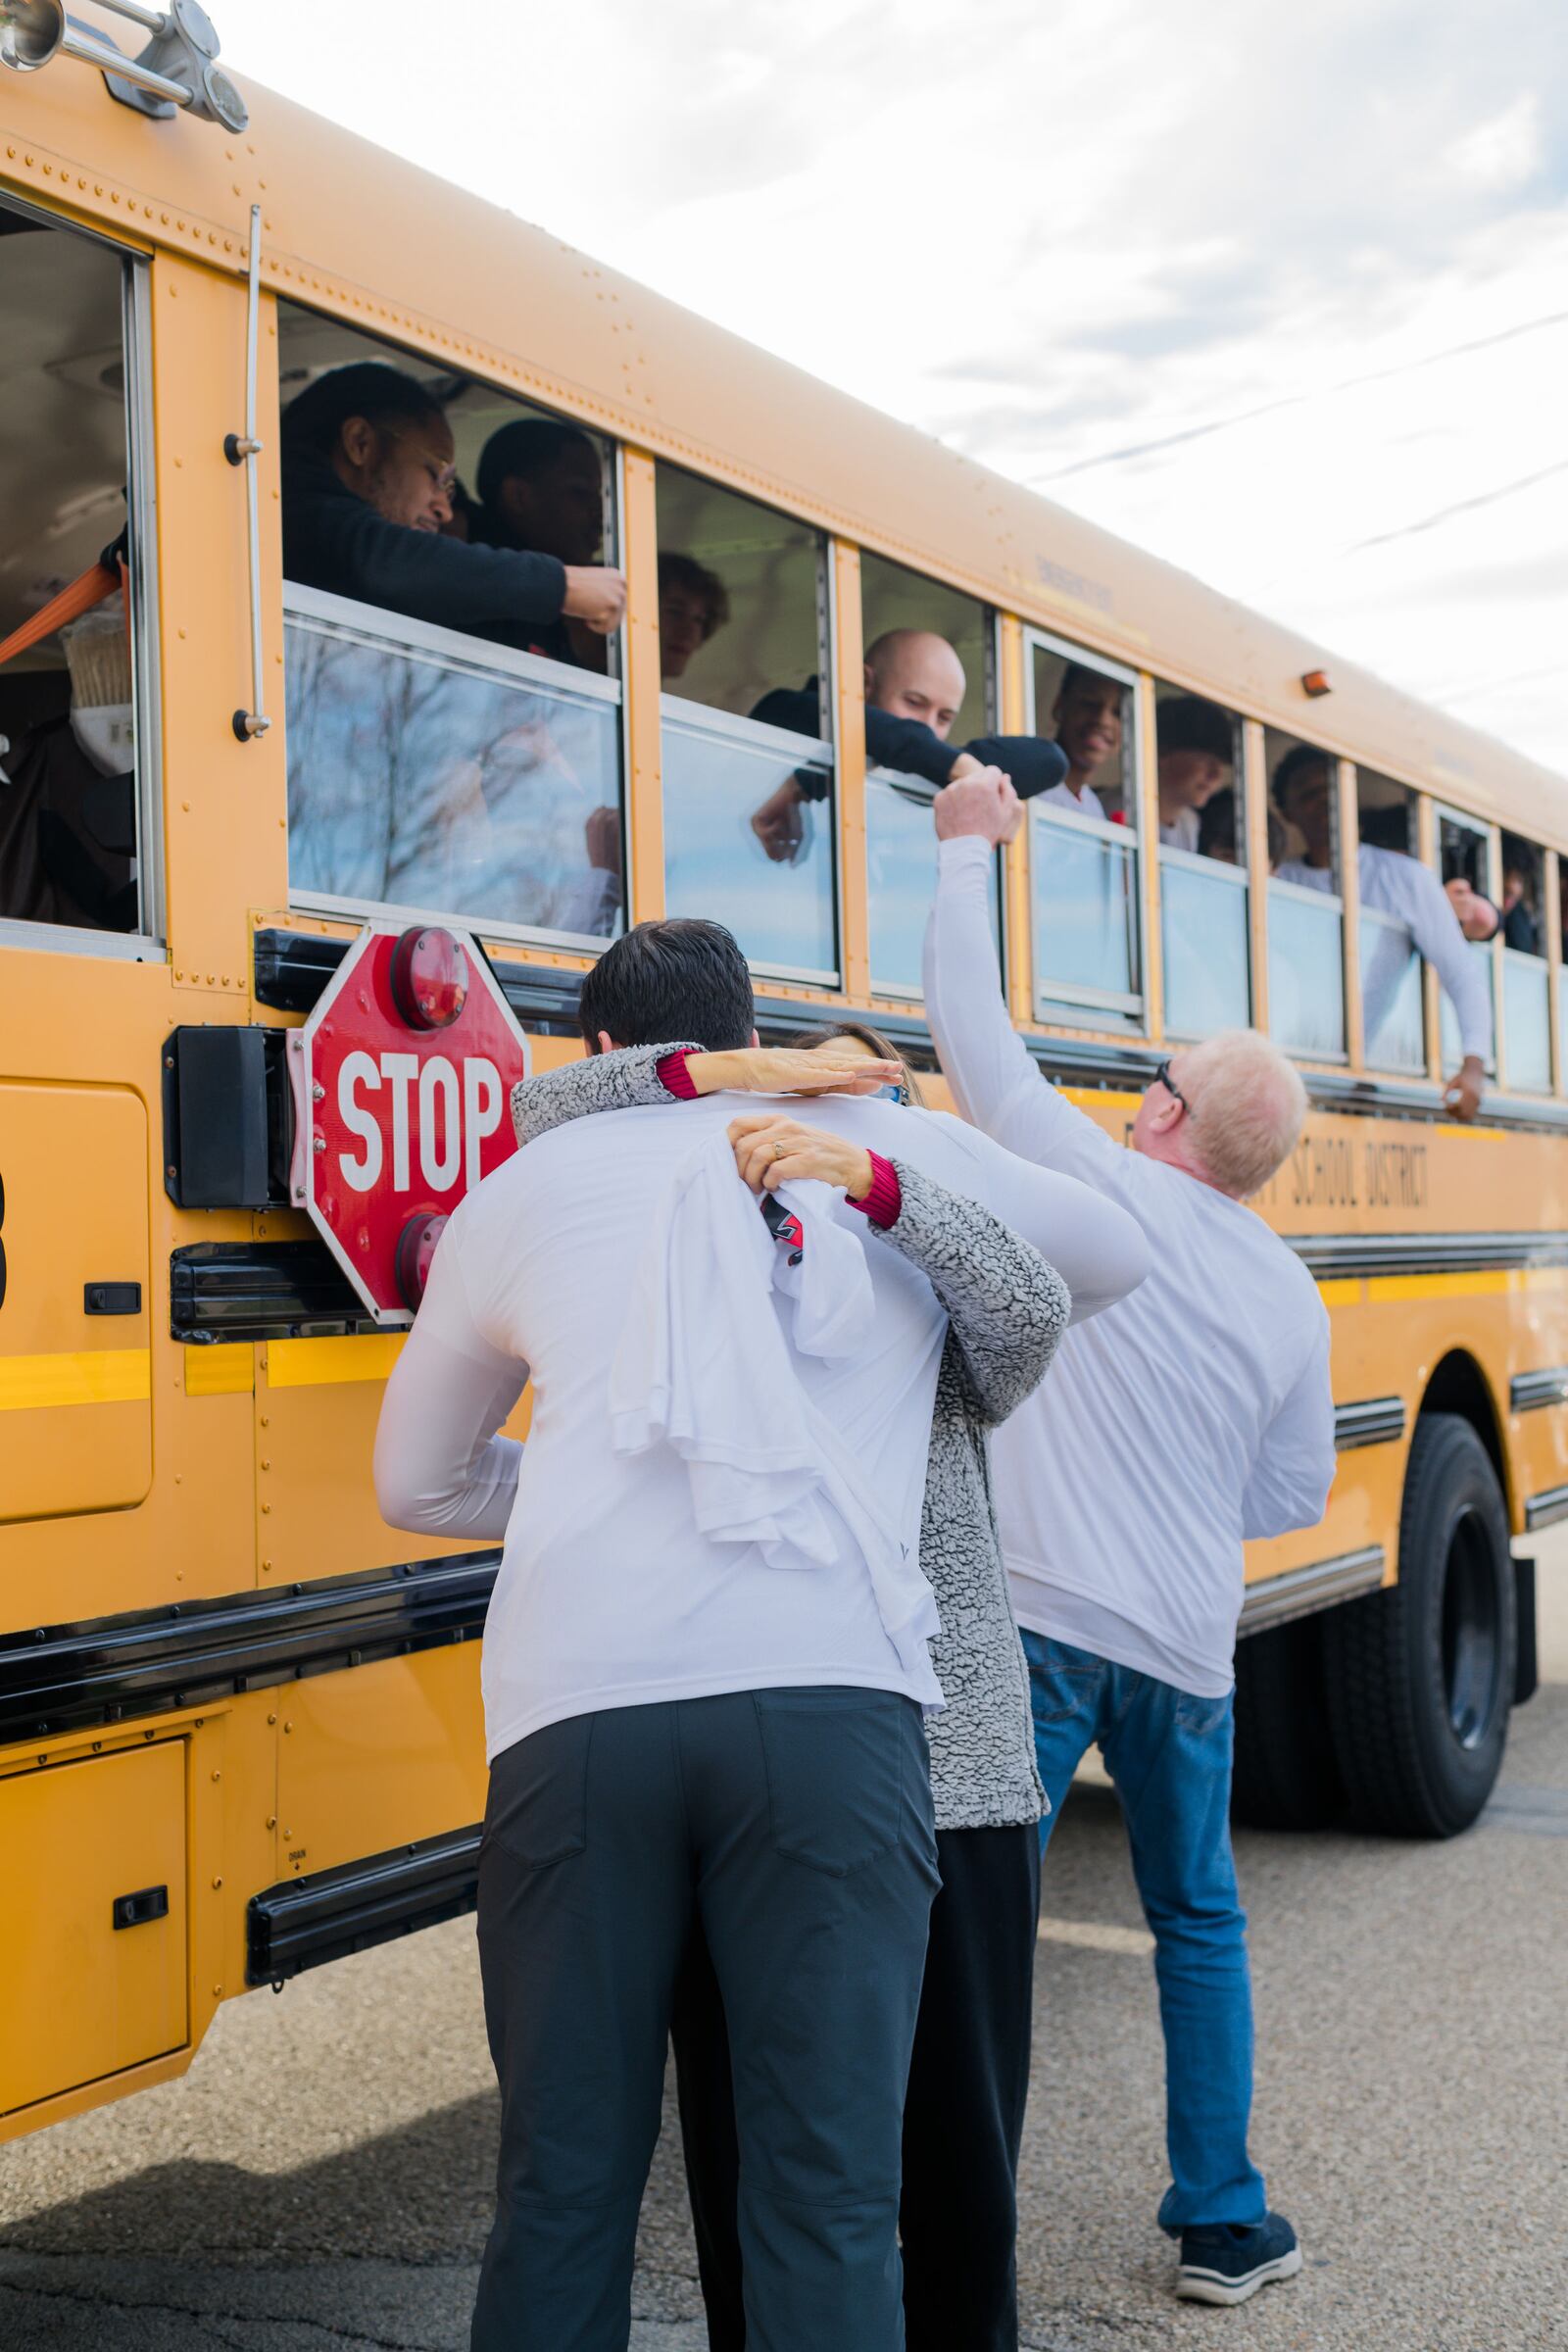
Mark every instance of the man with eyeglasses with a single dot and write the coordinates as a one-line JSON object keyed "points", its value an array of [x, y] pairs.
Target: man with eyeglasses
{"points": [[1192, 1415], [368, 483]]}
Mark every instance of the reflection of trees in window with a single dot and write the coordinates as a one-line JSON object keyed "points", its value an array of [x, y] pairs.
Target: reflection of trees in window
{"points": [[418, 786]]}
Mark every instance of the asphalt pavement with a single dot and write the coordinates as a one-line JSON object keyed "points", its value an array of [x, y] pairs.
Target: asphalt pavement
{"points": [[320, 2180]]}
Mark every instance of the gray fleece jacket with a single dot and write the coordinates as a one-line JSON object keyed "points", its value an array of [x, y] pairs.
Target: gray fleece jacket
{"points": [[1007, 1311]]}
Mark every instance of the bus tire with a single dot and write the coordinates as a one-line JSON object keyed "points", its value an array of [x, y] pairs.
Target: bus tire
{"points": [[1287, 1774], [1420, 1675]]}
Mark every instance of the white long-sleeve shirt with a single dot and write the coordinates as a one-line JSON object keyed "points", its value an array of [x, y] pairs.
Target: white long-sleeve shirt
{"points": [[609, 1594], [1195, 1415], [1394, 884]]}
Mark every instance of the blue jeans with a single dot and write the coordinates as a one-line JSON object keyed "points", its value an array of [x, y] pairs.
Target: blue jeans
{"points": [[1169, 1755]]}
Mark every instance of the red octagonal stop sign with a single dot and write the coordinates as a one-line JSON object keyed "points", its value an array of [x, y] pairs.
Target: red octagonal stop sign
{"points": [[395, 1123]]}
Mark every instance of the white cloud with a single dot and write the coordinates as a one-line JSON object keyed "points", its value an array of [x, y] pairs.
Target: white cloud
{"points": [[1251, 291]]}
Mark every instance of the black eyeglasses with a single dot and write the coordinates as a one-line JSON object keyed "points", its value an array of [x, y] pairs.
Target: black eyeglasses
{"points": [[1162, 1077]]}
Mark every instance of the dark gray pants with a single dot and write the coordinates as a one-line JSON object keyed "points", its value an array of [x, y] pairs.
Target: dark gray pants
{"points": [[797, 1825]]}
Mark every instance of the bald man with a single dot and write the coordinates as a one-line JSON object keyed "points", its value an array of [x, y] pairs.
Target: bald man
{"points": [[914, 689]]}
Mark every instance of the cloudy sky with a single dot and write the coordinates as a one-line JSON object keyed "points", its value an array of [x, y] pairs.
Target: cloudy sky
{"points": [[1278, 292]]}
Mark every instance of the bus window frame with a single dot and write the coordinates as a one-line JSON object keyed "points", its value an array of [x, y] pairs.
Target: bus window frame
{"points": [[345, 618], [745, 729], [148, 943], [1345, 897], [1122, 1005], [1509, 958], [1498, 1068], [917, 788]]}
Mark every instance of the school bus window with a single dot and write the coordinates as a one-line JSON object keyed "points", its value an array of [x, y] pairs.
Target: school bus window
{"points": [[1306, 907], [454, 731], [1083, 841], [1203, 865], [1393, 1005], [928, 690], [72, 835], [1465, 867], [747, 755], [1526, 983]]}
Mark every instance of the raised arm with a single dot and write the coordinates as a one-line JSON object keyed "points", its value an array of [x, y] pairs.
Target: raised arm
{"points": [[994, 1078], [1006, 1307], [1435, 928], [440, 1466]]}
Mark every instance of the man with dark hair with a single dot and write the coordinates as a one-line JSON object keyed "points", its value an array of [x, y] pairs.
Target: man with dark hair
{"points": [[368, 484], [682, 977], [693, 604], [706, 1656], [914, 689], [1088, 719], [1195, 756], [541, 488]]}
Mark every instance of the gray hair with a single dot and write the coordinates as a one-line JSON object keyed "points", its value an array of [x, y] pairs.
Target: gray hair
{"points": [[1244, 1110]]}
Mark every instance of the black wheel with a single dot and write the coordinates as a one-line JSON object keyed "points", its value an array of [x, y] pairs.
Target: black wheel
{"points": [[1420, 1677], [1287, 1774]]}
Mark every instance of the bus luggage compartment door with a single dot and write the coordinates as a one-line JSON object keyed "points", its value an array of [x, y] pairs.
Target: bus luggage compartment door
{"points": [[92, 1972], [75, 1407]]}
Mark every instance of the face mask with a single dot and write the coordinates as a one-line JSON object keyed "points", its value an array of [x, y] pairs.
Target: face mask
{"points": [[107, 734]]}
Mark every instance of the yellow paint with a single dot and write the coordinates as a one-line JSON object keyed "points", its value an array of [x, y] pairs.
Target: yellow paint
{"points": [[96, 1376], [322, 1363], [221, 1371], [83, 1998], [1444, 1285]]}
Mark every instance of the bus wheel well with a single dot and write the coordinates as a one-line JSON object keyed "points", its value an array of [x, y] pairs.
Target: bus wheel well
{"points": [[1459, 1386]]}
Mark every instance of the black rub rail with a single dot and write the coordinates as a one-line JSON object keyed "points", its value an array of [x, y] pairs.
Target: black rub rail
{"points": [[64, 1677], [302, 1923]]}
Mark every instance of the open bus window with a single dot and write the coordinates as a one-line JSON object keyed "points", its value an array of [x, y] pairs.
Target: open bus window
{"points": [[927, 661], [1203, 865], [70, 828], [1526, 982], [1305, 905], [1464, 868], [454, 734], [747, 751], [1083, 842], [1392, 1007]]}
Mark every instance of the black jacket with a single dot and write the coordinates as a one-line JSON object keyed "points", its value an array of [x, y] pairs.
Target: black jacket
{"points": [[913, 749], [338, 542]]}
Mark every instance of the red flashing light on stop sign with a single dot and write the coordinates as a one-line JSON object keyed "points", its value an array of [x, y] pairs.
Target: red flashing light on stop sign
{"points": [[415, 1249], [429, 978]]}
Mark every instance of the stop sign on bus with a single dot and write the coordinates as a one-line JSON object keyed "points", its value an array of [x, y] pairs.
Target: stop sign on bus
{"points": [[401, 1080]]}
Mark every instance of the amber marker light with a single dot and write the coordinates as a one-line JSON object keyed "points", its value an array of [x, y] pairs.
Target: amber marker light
{"points": [[1315, 682], [429, 979]]}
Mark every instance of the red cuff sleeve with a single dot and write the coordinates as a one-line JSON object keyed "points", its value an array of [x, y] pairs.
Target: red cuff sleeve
{"points": [[674, 1077], [884, 1201]]}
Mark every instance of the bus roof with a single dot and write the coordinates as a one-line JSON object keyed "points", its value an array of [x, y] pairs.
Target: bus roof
{"points": [[353, 229]]}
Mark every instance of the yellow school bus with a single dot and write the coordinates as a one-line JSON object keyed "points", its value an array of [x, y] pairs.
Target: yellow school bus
{"points": [[239, 1718]]}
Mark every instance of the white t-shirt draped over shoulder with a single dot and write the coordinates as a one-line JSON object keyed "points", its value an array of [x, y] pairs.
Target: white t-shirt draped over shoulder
{"points": [[607, 1594]]}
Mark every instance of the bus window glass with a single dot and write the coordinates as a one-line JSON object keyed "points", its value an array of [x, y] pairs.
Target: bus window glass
{"points": [[1465, 867], [454, 732], [1083, 843], [927, 661], [1203, 865], [71, 833], [747, 751], [1306, 910], [1526, 1016], [1392, 1007]]}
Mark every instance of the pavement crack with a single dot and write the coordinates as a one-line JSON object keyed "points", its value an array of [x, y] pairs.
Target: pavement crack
{"points": [[207, 2317]]}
